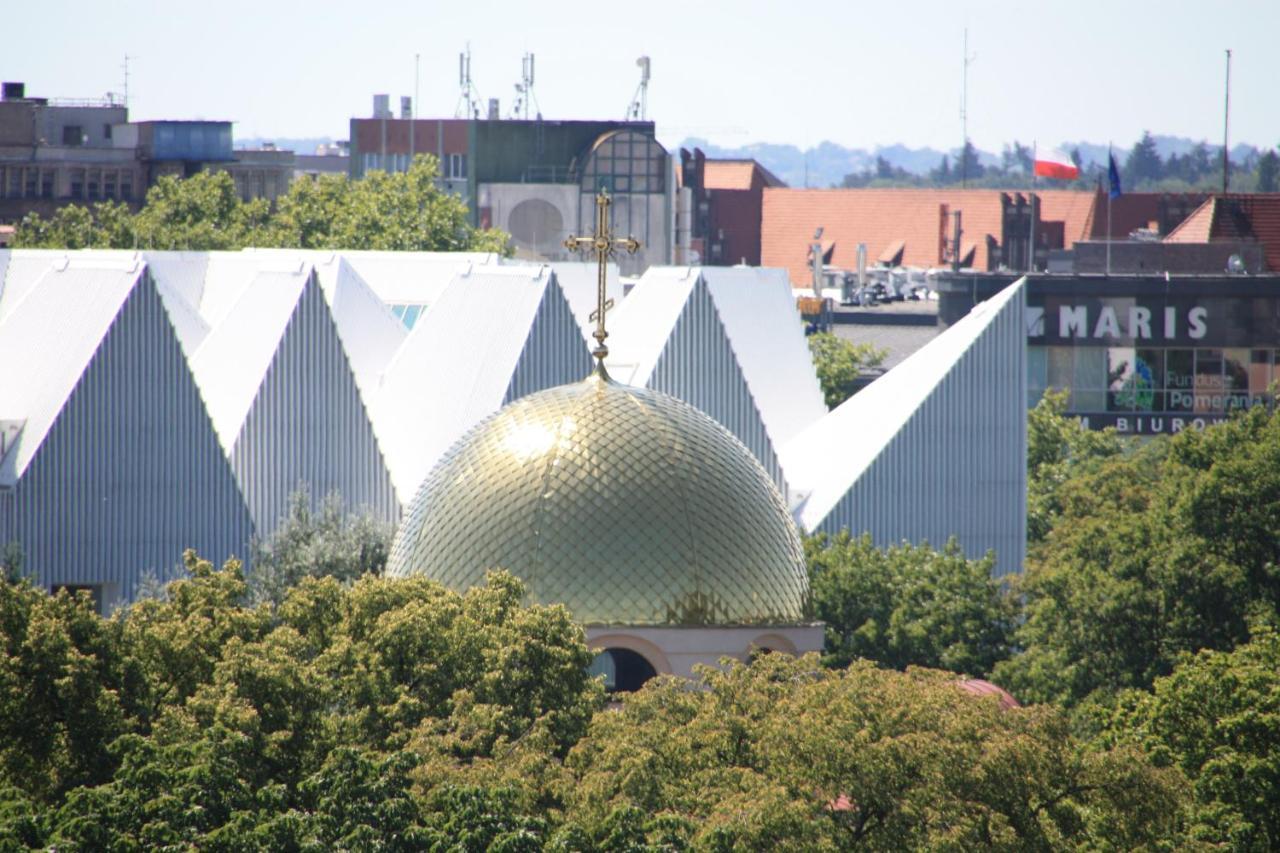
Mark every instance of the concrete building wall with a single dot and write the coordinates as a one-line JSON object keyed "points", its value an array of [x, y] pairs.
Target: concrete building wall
{"points": [[537, 216], [676, 651]]}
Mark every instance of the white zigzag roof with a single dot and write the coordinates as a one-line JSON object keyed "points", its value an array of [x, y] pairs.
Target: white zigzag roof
{"points": [[54, 323], [248, 311], [495, 334], [116, 468], [413, 278], [935, 447], [580, 283], [669, 335], [758, 309]]}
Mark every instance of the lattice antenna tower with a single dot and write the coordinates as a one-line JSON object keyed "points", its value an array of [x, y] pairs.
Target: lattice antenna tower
{"points": [[524, 90], [638, 109], [469, 98]]}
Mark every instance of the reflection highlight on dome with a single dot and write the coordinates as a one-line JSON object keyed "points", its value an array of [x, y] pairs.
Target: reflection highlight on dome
{"points": [[531, 439]]}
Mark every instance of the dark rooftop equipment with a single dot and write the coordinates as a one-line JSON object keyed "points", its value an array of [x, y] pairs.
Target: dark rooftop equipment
{"points": [[13, 91]]}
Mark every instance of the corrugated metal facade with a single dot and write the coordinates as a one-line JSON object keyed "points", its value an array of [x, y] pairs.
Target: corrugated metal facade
{"points": [[698, 365], [308, 425], [553, 353], [958, 464], [131, 472]]}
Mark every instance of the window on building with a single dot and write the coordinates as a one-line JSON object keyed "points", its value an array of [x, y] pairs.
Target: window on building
{"points": [[30, 181], [3, 175], [47, 178], [126, 186], [455, 166], [77, 183], [624, 670], [15, 182], [106, 131], [72, 134], [626, 162], [109, 185], [94, 185]]}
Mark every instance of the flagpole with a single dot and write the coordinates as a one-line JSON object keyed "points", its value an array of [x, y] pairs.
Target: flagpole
{"points": [[1109, 160], [1031, 242]]}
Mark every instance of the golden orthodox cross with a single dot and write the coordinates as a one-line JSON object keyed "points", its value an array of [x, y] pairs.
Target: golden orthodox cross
{"points": [[602, 244]]}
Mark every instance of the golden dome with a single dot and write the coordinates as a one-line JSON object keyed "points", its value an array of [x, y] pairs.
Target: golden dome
{"points": [[626, 505]]}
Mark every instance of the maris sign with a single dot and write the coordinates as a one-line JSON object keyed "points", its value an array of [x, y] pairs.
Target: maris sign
{"points": [[1109, 322]]}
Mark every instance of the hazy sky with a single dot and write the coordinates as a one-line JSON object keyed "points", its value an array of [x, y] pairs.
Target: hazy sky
{"points": [[859, 74]]}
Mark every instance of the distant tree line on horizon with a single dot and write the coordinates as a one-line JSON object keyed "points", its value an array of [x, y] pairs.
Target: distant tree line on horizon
{"points": [[1142, 169]]}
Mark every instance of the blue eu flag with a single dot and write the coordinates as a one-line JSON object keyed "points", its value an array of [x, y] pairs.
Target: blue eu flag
{"points": [[1113, 176]]}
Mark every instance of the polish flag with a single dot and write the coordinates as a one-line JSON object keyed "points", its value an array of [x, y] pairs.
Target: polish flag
{"points": [[1055, 164]]}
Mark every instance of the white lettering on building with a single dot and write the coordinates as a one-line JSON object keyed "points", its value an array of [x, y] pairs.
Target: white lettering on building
{"points": [[1195, 323], [1073, 321], [1139, 322], [1107, 326]]}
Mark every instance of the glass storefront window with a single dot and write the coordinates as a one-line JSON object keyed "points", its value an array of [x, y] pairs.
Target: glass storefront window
{"points": [[1259, 371], [1060, 370], [1235, 369]]}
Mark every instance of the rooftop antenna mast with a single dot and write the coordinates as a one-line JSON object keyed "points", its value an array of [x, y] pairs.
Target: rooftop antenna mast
{"points": [[638, 110], [469, 99], [125, 67], [964, 111], [524, 89], [1226, 125]]}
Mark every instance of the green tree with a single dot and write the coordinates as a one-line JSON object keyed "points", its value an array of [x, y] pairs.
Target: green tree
{"points": [[840, 364], [782, 754], [385, 714], [1143, 163], [1154, 553], [198, 213], [1269, 172], [325, 541], [969, 167], [1217, 718], [1058, 449], [909, 605], [62, 676], [402, 211]]}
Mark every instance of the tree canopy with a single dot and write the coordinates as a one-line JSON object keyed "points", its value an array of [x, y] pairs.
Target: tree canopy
{"points": [[909, 605], [840, 364], [400, 211]]}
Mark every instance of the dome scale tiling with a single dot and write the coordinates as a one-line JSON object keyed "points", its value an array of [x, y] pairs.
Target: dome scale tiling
{"points": [[626, 505]]}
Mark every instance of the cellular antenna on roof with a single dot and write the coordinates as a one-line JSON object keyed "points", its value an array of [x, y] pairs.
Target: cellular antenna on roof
{"points": [[524, 90], [469, 99], [638, 110]]}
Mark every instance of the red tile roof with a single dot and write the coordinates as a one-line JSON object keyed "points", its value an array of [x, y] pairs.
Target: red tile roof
{"points": [[1253, 216], [1132, 211], [729, 174], [982, 687], [1072, 208], [1197, 227], [878, 217], [920, 218]]}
